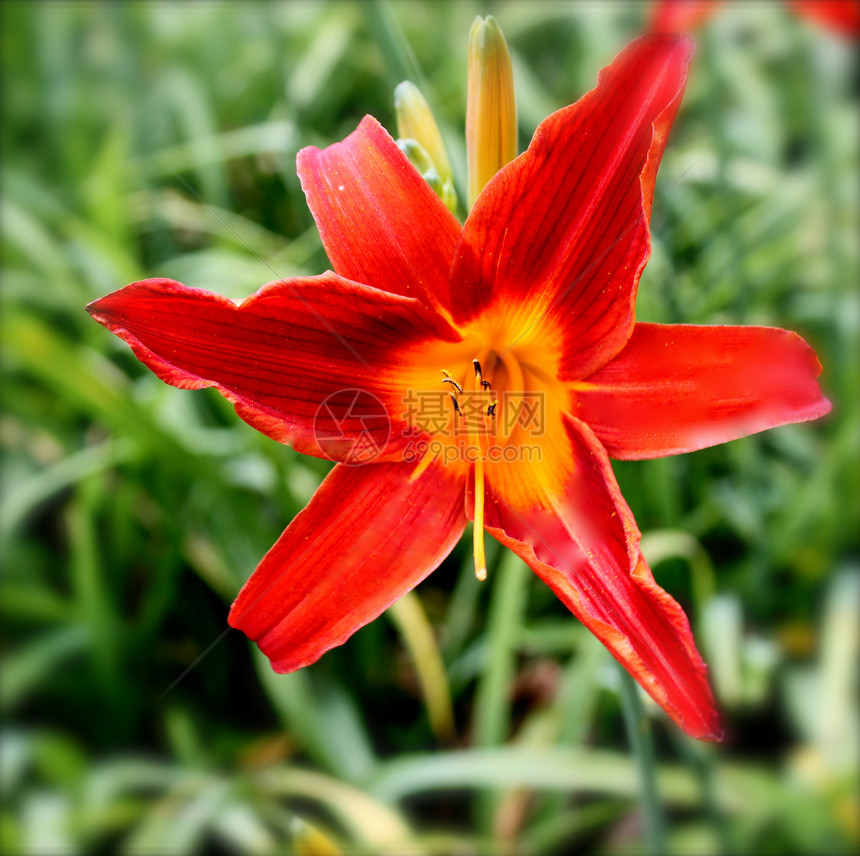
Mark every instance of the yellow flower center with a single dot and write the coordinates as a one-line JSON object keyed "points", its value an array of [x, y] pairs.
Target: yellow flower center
{"points": [[491, 404]]}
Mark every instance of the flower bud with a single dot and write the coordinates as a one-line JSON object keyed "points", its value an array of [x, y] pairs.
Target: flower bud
{"points": [[491, 111], [421, 141], [415, 121]]}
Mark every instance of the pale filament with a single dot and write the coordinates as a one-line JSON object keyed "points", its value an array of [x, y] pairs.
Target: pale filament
{"points": [[478, 522]]}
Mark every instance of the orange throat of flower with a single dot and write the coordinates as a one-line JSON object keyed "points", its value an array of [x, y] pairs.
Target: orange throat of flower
{"points": [[493, 411]]}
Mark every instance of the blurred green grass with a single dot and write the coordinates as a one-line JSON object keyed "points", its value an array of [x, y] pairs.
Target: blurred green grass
{"points": [[160, 139]]}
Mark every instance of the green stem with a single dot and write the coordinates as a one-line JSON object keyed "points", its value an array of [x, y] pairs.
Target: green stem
{"points": [[720, 94], [703, 762], [410, 619], [493, 694], [642, 745], [492, 712]]}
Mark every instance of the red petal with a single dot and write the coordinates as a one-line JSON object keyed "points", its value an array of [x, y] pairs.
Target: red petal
{"points": [[313, 362], [367, 537], [584, 544], [380, 222], [676, 388], [842, 16], [563, 228], [680, 16]]}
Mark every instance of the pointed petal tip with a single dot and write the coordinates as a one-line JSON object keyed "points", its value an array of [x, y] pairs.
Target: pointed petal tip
{"points": [[716, 735], [97, 309], [707, 727], [242, 617], [691, 705]]}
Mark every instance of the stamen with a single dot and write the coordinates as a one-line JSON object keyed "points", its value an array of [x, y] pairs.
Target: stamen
{"points": [[485, 384], [454, 384], [478, 522], [455, 402], [491, 409]]}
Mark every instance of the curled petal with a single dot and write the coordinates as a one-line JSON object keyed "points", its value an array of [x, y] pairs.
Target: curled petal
{"points": [[368, 536], [313, 362], [380, 222], [583, 542], [677, 388]]}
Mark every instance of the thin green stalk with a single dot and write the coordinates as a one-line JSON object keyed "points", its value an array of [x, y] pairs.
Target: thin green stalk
{"points": [[400, 62], [719, 95], [492, 717], [410, 619], [464, 604], [575, 705], [642, 745], [702, 760], [493, 695]]}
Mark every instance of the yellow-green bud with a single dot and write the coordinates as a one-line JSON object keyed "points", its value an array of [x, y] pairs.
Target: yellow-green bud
{"points": [[415, 121], [491, 110], [421, 141]]}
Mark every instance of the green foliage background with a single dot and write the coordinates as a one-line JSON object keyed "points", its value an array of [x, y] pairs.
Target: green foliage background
{"points": [[159, 140]]}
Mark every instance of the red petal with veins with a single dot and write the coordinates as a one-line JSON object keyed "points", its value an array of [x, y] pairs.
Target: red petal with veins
{"points": [[367, 537], [584, 544], [677, 388], [379, 220], [287, 357], [563, 228]]}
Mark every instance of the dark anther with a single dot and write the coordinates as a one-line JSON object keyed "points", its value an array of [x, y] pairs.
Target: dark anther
{"points": [[491, 410], [454, 402], [477, 366], [485, 384], [454, 384]]}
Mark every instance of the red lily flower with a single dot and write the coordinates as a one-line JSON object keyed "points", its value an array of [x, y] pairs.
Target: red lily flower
{"points": [[533, 296]]}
